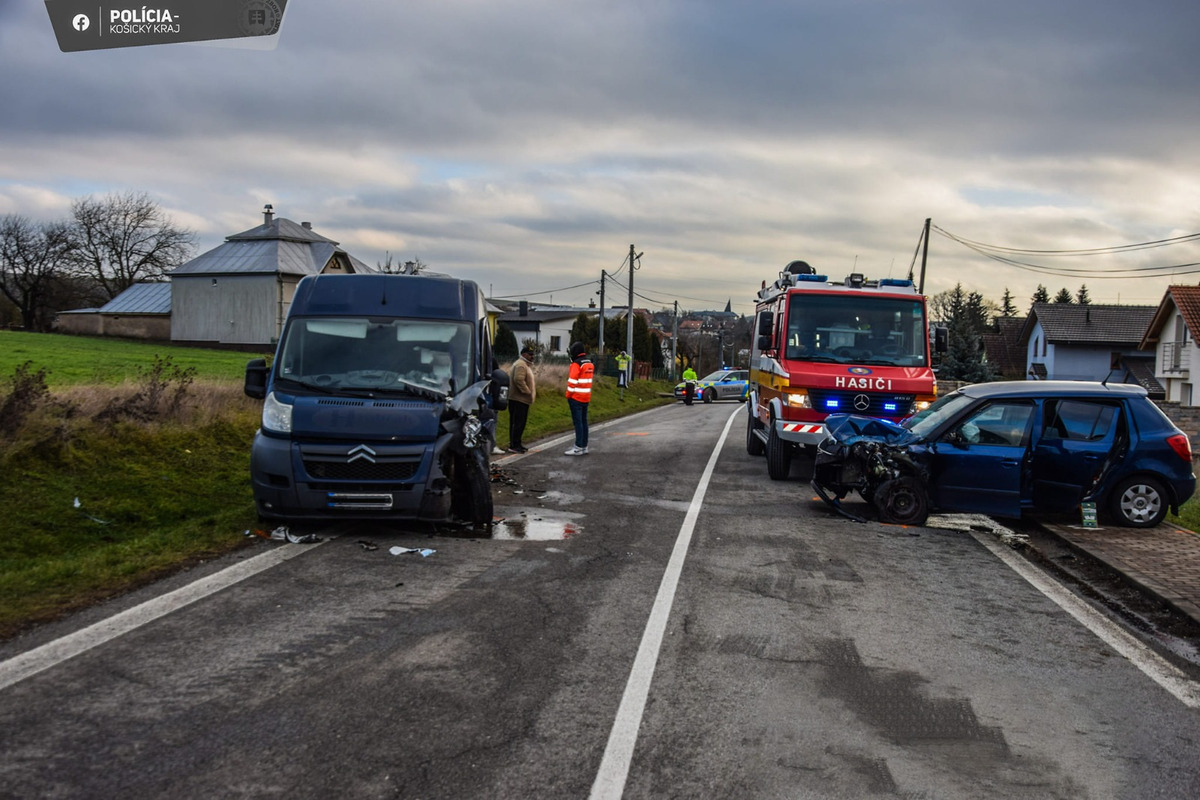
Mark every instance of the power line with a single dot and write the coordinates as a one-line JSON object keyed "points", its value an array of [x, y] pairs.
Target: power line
{"points": [[994, 252]]}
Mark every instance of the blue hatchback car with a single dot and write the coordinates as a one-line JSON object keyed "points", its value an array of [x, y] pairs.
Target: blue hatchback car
{"points": [[1012, 446]]}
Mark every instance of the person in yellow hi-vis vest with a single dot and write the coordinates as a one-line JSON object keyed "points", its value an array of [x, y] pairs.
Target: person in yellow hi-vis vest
{"points": [[623, 369]]}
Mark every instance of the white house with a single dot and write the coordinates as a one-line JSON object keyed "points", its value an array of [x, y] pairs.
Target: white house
{"points": [[1073, 342], [1171, 335]]}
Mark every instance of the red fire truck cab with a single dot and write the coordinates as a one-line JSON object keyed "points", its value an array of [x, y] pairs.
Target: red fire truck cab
{"points": [[854, 346]]}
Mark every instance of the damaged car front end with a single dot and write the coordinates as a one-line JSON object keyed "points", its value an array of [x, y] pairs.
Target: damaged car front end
{"points": [[882, 461]]}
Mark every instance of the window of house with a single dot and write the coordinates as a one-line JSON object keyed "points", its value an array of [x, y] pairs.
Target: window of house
{"points": [[556, 343]]}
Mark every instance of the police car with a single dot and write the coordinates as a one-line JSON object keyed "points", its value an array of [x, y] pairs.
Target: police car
{"points": [[724, 384]]}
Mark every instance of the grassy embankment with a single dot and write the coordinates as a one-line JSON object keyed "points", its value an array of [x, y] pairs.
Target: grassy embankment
{"points": [[153, 441]]}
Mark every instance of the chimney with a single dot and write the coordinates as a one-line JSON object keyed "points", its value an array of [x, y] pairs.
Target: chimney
{"points": [[306, 225], [523, 308], [268, 214]]}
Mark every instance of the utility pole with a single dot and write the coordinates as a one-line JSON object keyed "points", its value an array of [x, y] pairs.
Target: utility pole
{"points": [[924, 257], [674, 338], [634, 255], [600, 345]]}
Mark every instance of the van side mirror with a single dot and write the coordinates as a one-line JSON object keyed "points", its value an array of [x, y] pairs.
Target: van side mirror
{"points": [[256, 379], [941, 339], [499, 390]]}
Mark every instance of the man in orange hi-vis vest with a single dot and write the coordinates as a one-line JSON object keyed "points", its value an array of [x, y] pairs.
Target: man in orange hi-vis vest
{"points": [[579, 394]]}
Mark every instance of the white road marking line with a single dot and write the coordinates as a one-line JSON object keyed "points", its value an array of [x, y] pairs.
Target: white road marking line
{"points": [[18, 668], [1153, 665], [614, 767]]}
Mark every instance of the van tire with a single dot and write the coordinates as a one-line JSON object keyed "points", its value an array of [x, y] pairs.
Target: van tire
{"points": [[779, 455], [473, 495], [754, 444]]}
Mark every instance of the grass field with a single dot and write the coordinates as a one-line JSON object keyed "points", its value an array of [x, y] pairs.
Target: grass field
{"points": [[70, 360], [98, 503]]}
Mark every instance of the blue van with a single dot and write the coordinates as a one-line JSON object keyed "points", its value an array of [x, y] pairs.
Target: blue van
{"points": [[380, 403]]}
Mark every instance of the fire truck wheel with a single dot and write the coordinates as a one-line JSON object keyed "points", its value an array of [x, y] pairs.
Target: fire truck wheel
{"points": [[754, 445], [902, 501], [779, 456]]}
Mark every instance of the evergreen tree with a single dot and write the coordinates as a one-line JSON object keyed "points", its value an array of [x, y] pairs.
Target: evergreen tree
{"points": [[966, 316], [586, 329], [1007, 307], [1040, 295], [505, 347], [1082, 297], [1064, 296]]}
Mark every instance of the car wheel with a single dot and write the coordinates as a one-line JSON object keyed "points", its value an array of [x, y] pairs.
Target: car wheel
{"points": [[709, 395], [1139, 502], [779, 455], [902, 501], [754, 445]]}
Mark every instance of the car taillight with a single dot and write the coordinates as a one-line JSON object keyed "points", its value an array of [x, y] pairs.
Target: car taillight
{"points": [[1182, 446]]}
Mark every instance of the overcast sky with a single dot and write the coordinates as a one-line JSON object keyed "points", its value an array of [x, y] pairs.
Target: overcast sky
{"points": [[526, 144]]}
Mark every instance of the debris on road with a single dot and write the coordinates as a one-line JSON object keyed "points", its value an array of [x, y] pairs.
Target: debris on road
{"points": [[399, 551]]}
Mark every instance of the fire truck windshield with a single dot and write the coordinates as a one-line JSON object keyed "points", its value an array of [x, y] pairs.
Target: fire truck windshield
{"points": [[856, 329]]}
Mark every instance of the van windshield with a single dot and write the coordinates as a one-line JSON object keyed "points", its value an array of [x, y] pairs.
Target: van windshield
{"points": [[359, 353], [856, 329]]}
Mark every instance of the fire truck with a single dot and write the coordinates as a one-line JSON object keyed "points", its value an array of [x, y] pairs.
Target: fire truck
{"points": [[854, 346]]}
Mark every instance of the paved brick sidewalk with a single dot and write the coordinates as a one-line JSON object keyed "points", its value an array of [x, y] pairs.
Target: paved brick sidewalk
{"points": [[1164, 560]]}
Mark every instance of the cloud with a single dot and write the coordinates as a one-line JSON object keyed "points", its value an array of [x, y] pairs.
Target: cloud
{"points": [[527, 144]]}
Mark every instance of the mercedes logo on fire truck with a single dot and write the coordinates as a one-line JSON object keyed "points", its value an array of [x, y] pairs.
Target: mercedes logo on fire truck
{"points": [[861, 402]]}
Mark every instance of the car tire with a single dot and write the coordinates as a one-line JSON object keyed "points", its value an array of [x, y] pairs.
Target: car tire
{"points": [[902, 501], [779, 455], [708, 395], [754, 444], [1139, 502]]}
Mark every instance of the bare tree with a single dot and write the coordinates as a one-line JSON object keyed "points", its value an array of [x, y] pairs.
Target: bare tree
{"points": [[121, 239], [33, 259]]}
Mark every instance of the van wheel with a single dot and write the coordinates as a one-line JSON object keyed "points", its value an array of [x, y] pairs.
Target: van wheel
{"points": [[754, 445], [902, 501], [1139, 502], [473, 494], [779, 455]]}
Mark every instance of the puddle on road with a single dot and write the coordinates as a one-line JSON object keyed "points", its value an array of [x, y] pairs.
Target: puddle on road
{"points": [[535, 527]]}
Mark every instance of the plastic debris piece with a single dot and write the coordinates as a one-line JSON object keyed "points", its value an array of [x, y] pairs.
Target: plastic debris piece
{"points": [[399, 551], [79, 506], [307, 538], [280, 534], [365, 545]]}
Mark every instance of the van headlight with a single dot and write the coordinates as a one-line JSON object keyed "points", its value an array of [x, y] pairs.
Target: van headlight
{"points": [[276, 416]]}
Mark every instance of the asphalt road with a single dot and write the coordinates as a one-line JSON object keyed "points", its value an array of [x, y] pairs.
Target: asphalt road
{"points": [[656, 619]]}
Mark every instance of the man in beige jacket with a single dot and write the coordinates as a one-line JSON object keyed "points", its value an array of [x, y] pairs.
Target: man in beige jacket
{"points": [[521, 394]]}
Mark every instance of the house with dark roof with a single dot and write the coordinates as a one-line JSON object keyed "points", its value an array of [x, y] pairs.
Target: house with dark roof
{"points": [[239, 293], [1171, 337], [1003, 348], [549, 327], [1073, 342], [143, 311]]}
